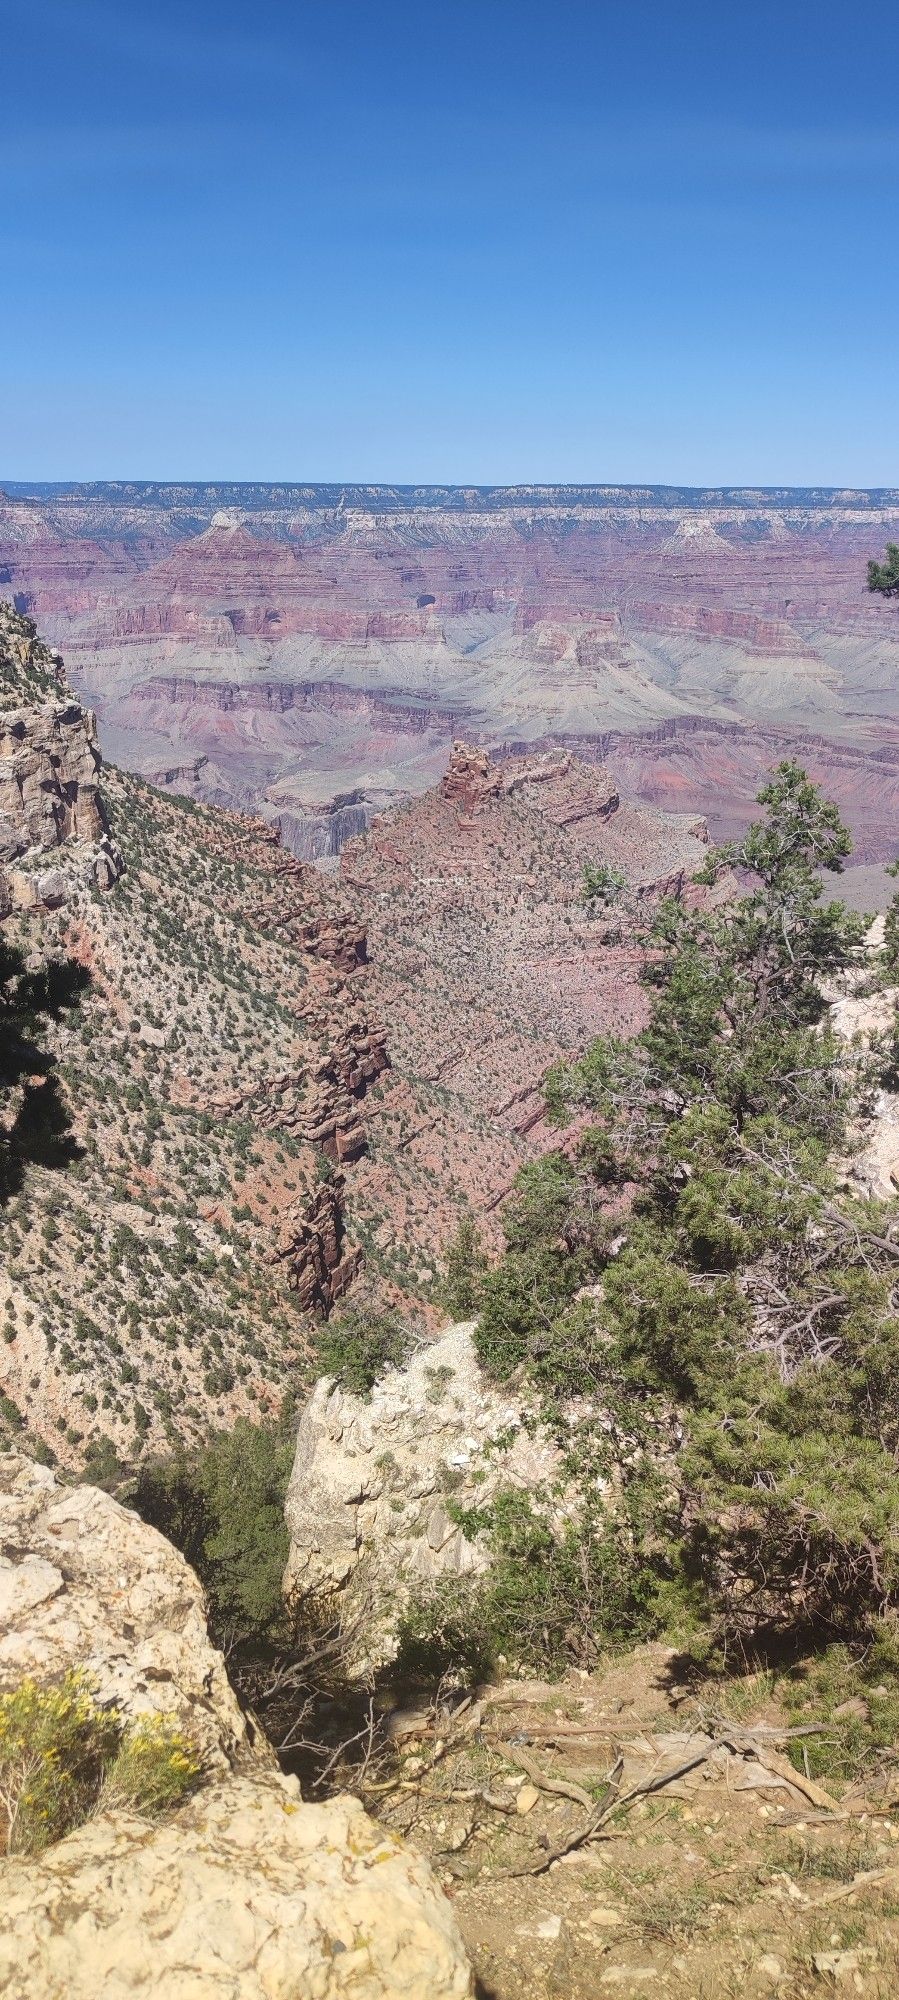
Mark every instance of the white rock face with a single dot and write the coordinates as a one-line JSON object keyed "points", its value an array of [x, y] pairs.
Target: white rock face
{"points": [[367, 1503], [874, 1168], [244, 1894], [85, 1583]]}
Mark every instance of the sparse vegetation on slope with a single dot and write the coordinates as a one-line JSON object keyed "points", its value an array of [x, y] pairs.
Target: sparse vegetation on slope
{"points": [[147, 1294]]}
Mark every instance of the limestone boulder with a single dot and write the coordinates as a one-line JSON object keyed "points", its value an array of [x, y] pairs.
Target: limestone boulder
{"points": [[244, 1889], [85, 1583], [246, 1892], [376, 1482]]}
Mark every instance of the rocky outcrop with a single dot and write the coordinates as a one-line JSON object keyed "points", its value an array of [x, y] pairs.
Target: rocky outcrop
{"points": [[323, 1103], [336, 939], [53, 825], [244, 1889], [375, 1483], [860, 1018], [85, 1583], [470, 778], [246, 1892], [319, 1266]]}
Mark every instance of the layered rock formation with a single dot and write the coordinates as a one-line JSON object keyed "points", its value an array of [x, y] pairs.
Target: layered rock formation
{"points": [[53, 824], [215, 1071], [314, 651], [278, 1078], [244, 1889], [313, 1250], [374, 1482]]}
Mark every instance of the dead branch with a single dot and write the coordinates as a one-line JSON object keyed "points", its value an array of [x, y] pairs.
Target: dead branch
{"points": [[609, 1806], [740, 1741], [579, 1838], [367, 1735], [869, 1878], [765, 1732], [413, 1784], [545, 1782]]}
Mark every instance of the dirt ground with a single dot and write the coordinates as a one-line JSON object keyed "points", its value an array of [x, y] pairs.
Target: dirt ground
{"points": [[730, 1880]]}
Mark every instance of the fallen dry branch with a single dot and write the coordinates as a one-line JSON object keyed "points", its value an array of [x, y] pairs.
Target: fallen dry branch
{"points": [[609, 1806], [740, 1743], [743, 1742], [765, 1732], [605, 1732], [579, 1838], [544, 1779], [869, 1878]]}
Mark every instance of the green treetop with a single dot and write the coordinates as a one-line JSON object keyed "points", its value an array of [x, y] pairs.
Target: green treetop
{"points": [[885, 576]]}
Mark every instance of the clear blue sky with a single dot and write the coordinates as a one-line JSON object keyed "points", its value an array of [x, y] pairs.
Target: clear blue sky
{"points": [[450, 240]]}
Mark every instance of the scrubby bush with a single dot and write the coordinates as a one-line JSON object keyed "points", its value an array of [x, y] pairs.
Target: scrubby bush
{"points": [[358, 1346], [601, 883], [223, 1506], [549, 1596], [61, 1755], [462, 1288]]}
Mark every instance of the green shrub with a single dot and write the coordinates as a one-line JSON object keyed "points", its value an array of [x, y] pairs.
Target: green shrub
{"points": [[601, 883], [358, 1346], [223, 1506], [550, 1597], [61, 1755], [153, 1768], [462, 1287]]}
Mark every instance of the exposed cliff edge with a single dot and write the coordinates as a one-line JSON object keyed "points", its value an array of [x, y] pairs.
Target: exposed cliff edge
{"points": [[84, 1583], [53, 824], [243, 1889]]}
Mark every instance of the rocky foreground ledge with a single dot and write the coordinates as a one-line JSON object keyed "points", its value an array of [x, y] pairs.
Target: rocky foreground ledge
{"points": [[245, 1889]]}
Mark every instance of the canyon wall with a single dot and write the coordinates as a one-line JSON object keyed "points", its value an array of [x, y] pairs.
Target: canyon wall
{"points": [[311, 652], [54, 831]]}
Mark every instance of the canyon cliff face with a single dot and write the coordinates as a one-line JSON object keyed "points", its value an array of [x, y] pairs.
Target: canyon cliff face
{"points": [[488, 966], [311, 652], [53, 825], [185, 1217]]}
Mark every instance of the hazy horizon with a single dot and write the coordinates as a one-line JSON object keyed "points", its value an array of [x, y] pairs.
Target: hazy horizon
{"points": [[731, 491]]}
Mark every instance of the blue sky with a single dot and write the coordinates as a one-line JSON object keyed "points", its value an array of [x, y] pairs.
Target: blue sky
{"points": [[467, 241]]}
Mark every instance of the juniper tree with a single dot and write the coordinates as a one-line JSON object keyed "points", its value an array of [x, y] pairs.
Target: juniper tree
{"points": [[747, 1300], [884, 577]]}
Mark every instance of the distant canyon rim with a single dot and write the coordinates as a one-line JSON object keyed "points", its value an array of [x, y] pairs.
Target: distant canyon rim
{"points": [[310, 652]]}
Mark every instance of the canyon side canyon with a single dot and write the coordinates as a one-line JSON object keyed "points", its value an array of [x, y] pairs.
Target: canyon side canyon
{"points": [[311, 652], [280, 1087]]}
